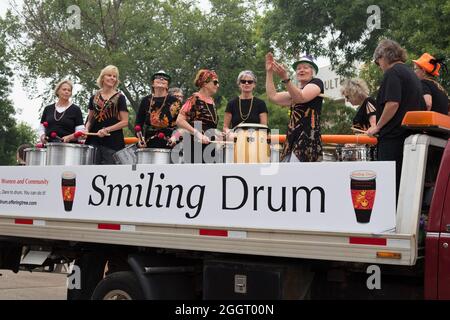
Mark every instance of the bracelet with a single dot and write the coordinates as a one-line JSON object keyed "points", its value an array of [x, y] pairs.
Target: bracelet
{"points": [[285, 81]]}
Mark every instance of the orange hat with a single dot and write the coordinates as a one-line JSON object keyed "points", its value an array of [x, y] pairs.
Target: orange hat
{"points": [[428, 63]]}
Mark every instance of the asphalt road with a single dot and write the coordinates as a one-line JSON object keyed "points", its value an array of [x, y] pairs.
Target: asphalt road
{"points": [[32, 286]]}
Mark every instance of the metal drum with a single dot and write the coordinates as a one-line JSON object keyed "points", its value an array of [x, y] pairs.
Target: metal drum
{"points": [[153, 156], [252, 143], [127, 155], [355, 153], [224, 151], [275, 150], [329, 154], [35, 156], [69, 154]]}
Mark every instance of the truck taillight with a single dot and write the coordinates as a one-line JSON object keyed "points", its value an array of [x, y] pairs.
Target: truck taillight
{"points": [[388, 255]]}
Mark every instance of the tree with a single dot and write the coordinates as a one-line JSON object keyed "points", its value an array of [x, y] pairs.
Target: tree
{"points": [[11, 135], [138, 36], [336, 118], [338, 29]]}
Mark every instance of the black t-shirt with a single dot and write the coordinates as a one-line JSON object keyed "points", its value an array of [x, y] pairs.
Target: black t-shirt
{"points": [[245, 114], [365, 111], [399, 84], [317, 102], [439, 98], [62, 123], [106, 114]]}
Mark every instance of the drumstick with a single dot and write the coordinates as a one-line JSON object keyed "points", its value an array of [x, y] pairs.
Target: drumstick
{"points": [[80, 133], [358, 130]]}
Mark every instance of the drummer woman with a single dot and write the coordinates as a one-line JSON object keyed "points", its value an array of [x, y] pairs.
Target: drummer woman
{"points": [[159, 112], [356, 92], [246, 108], [427, 69], [199, 115], [303, 141], [62, 119], [108, 115]]}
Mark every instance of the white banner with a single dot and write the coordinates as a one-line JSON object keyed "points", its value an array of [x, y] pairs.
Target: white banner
{"points": [[326, 196]]}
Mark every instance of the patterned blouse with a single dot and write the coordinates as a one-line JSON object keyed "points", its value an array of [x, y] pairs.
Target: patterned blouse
{"points": [[198, 109], [304, 134], [159, 114]]}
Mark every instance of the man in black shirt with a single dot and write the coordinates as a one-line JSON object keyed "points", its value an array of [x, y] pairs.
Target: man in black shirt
{"points": [[400, 92]]}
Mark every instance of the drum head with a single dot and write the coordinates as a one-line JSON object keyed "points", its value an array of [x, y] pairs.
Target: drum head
{"points": [[246, 126]]}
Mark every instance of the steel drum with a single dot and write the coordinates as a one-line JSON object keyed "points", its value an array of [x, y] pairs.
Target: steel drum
{"points": [[330, 153], [355, 153], [69, 154], [127, 155], [224, 151], [275, 150], [153, 156], [35, 156]]}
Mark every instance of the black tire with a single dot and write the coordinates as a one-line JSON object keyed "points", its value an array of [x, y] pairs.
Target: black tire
{"points": [[122, 285]]}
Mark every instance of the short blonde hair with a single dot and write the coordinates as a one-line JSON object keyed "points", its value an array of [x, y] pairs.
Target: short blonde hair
{"points": [[355, 88], [106, 70], [60, 84]]}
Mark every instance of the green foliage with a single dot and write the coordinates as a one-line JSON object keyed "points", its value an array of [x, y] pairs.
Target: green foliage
{"points": [[11, 134], [336, 118], [338, 29], [138, 36]]}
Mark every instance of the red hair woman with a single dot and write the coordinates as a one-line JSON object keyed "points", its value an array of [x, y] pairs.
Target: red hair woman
{"points": [[199, 114]]}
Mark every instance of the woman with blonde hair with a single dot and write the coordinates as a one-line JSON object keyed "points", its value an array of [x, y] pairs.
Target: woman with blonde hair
{"points": [[60, 120], [427, 69], [108, 115], [356, 92], [199, 114]]}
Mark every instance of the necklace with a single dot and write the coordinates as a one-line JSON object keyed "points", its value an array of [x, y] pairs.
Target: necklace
{"points": [[62, 115], [215, 118], [249, 110], [162, 105]]}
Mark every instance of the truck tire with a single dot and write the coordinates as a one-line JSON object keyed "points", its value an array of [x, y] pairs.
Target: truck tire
{"points": [[122, 285]]}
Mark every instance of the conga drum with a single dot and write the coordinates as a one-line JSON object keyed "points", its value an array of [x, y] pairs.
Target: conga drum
{"points": [[252, 143]]}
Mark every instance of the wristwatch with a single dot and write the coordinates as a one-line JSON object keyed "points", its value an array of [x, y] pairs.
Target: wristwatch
{"points": [[286, 80]]}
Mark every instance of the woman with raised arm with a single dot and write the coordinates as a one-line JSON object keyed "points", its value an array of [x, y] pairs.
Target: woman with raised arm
{"points": [[303, 141], [108, 115]]}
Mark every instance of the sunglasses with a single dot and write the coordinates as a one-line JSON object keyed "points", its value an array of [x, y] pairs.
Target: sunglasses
{"points": [[247, 81], [216, 82], [347, 97], [161, 78]]}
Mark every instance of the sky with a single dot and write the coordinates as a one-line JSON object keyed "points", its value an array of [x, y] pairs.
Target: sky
{"points": [[27, 109]]}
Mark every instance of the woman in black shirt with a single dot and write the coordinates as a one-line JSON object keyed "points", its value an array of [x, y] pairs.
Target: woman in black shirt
{"points": [[62, 119], [303, 139], [158, 112], [356, 92], [108, 114], [246, 108], [427, 69]]}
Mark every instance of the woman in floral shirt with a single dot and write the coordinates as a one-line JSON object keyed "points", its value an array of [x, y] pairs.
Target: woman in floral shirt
{"points": [[158, 112], [199, 116]]}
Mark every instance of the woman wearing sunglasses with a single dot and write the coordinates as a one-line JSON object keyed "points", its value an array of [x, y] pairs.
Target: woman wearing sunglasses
{"points": [[158, 114], [246, 108], [199, 115]]}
